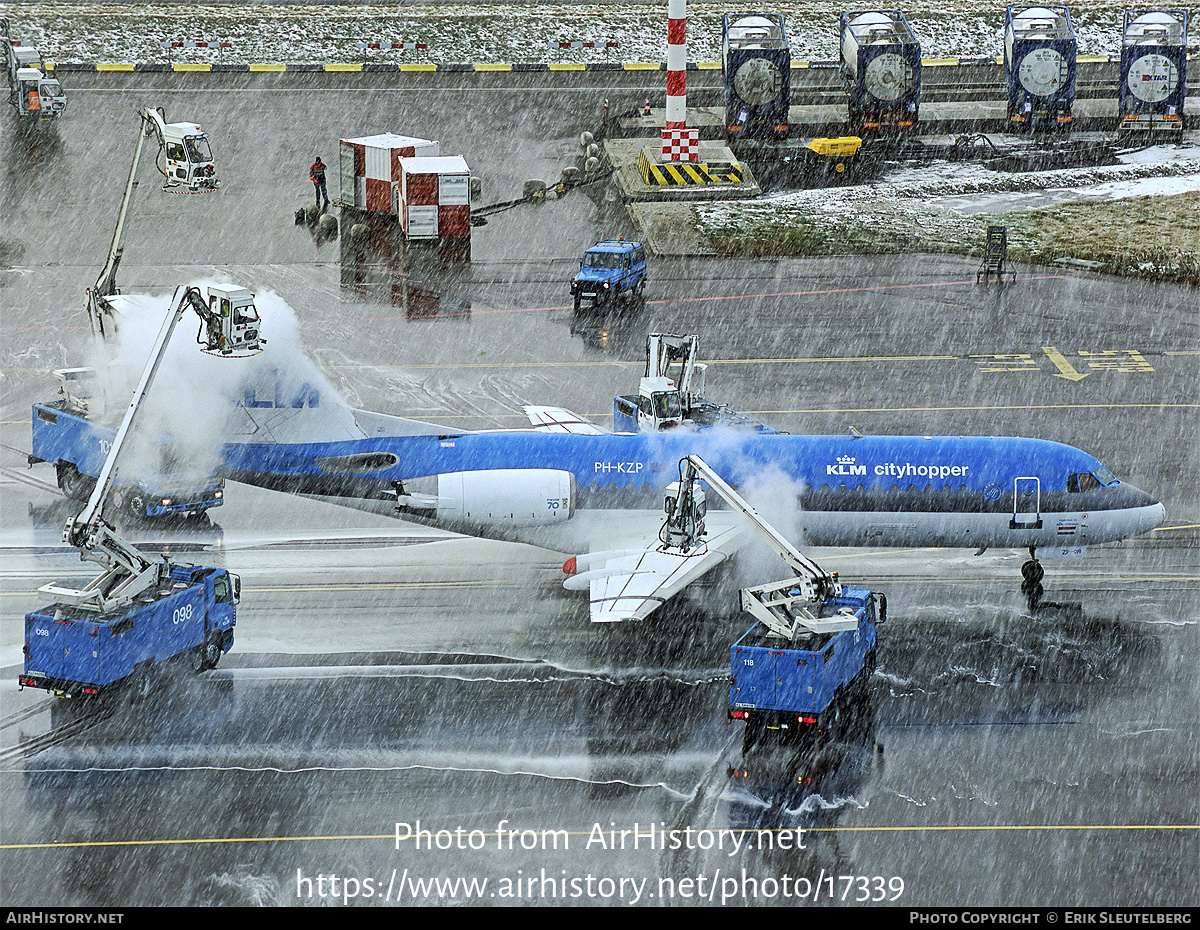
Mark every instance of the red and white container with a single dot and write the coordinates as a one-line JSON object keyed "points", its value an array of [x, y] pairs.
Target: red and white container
{"points": [[369, 169], [435, 197]]}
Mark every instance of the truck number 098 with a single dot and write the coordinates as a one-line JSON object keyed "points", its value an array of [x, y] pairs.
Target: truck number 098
{"points": [[182, 614]]}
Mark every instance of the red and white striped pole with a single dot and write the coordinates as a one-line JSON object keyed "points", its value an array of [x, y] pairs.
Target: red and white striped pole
{"points": [[678, 142]]}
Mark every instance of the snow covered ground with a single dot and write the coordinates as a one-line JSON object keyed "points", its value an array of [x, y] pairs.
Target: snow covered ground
{"points": [[1141, 216], [492, 32]]}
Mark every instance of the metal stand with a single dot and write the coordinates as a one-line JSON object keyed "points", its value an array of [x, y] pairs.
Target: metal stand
{"points": [[995, 256]]}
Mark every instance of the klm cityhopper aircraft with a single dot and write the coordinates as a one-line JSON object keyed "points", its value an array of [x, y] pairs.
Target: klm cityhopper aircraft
{"points": [[565, 484]]}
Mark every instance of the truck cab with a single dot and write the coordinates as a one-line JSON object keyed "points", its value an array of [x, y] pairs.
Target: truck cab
{"points": [[234, 319], [189, 158], [661, 405], [53, 99], [611, 271]]}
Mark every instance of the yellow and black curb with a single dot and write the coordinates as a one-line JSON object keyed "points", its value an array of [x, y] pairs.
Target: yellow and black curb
{"points": [[444, 67], [676, 174]]}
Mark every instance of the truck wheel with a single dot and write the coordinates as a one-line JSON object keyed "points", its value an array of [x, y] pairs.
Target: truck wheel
{"points": [[639, 290], [205, 657], [74, 485], [752, 735], [141, 682], [135, 504]]}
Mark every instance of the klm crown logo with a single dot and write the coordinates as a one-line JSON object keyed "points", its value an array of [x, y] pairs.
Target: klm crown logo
{"points": [[845, 467]]}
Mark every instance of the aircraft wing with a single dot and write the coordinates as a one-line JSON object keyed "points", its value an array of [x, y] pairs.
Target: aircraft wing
{"points": [[630, 584], [558, 420]]}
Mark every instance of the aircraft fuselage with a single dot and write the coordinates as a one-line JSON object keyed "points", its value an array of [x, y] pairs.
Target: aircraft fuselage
{"points": [[840, 490]]}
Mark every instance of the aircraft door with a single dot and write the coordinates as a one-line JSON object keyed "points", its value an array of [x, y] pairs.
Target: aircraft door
{"points": [[1027, 504]]}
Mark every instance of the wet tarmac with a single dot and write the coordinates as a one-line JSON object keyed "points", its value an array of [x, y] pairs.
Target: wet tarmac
{"points": [[391, 679]]}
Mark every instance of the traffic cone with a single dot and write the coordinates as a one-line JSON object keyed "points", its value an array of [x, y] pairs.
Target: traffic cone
{"points": [[646, 108]]}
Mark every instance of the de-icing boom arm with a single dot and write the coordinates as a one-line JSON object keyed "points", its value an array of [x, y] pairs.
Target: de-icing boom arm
{"points": [[782, 605], [127, 571]]}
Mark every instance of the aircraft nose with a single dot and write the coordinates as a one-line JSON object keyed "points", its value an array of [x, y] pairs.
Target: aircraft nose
{"points": [[1150, 511]]}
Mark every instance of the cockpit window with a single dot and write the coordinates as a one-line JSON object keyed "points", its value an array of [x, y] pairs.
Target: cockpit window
{"points": [[1084, 481], [1081, 482]]}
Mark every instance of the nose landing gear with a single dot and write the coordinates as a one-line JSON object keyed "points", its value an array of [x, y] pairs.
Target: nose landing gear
{"points": [[1032, 574]]}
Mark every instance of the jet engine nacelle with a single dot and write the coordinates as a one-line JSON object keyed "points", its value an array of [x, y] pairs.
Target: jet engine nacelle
{"points": [[506, 497]]}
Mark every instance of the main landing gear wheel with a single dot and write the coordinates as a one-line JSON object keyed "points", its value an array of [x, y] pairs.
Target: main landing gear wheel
{"points": [[1032, 574]]}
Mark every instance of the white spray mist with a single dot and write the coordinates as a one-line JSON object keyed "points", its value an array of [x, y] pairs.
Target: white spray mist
{"points": [[200, 401]]}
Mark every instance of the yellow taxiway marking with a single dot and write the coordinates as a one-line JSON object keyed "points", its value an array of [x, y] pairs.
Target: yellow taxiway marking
{"points": [[799, 410], [816, 410], [391, 837], [1065, 369]]}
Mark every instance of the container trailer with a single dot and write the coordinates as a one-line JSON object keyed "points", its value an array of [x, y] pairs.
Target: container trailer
{"points": [[1040, 51], [757, 66], [1153, 81], [881, 71]]}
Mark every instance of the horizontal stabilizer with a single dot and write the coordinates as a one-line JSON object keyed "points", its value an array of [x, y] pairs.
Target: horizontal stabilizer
{"points": [[558, 420], [633, 587]]}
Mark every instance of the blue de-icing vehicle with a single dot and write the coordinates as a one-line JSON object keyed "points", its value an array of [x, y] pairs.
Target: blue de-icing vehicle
{"points": [[138, 612], [77, 447], [611, 271], [802, 685], [814, 643], [77, 651]]}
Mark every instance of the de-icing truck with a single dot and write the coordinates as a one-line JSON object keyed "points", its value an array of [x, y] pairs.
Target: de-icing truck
{"points": [[812, 648], [74, 432], [138, 612], [37, 98]]}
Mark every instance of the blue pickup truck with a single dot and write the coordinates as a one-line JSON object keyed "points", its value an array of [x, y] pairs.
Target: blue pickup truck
{"points": [[611, 271]]}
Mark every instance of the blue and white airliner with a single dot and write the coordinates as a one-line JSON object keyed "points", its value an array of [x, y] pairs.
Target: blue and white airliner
{"points": [[567, 485]]}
